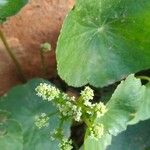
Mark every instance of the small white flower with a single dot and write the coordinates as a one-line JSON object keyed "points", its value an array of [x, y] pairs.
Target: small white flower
{"points": [[47, 92], [87, 94], [89, 112], [74, 107], [100, 109], [88, 103], [41, 121], [43, 115], [65, 144], [72, 98], [68, 109], [65, 96], [96, 131], [77, 114]]}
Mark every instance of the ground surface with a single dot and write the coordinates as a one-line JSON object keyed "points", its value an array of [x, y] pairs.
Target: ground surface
{"points": [[38, 22]]}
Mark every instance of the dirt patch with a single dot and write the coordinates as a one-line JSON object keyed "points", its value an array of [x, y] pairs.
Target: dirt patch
{"points": [[38, 22]]}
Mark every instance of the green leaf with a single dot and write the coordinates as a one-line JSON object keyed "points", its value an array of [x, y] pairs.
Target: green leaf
{"points": [[122, 107], [24, 105], [11, 137], [10, 8], [136, 137], [102, 41], [144, 110], [81, 148], [92, 144]]}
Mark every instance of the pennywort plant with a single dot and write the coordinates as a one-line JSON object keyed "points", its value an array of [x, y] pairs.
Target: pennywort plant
{"points": [[81, 109], [102, 121], [39, 108], [101, 42]]}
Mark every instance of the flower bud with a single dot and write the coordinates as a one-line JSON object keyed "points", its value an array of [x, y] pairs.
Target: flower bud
{"points": [[45, 47]]}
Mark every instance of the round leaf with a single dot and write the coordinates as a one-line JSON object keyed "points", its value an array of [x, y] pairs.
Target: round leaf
{"points": [[144, 110], [122, 107], [103, 41], [11, 137], [10, 7], [24, 106]]}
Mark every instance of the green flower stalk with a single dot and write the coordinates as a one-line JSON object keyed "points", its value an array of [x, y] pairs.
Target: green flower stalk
{"points": [[13, 57], [45, 47], [64, 143]]}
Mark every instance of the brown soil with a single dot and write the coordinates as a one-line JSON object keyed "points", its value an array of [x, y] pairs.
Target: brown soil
{"points": [[38, 22]]}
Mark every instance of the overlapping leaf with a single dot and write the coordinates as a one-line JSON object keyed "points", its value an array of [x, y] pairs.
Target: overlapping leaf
{"points": [[24, 105], [92, 144], [122, 107], [11, 136], [144, 110], [103, 41]]}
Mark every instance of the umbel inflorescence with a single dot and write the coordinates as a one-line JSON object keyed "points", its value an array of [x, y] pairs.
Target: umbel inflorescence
{"points": [[81, 110]]}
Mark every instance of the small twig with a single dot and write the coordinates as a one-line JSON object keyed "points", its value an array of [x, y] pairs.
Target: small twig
{"points": [[45, 47], [9, 51], [51, 114], [144, 78], [44, 67]]}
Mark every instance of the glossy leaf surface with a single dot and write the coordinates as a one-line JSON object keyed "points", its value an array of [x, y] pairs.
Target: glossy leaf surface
{"points": [[103, 41]]}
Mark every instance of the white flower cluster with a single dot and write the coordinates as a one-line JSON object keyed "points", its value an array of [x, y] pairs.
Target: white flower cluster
{"points": [[68, 109], [68, 106], [47, 92], [65, 144], [87, 94], [96, 131], [41, 121], [66, 97], [100, 109]]}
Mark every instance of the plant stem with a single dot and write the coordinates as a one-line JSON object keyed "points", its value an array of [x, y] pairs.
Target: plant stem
{"points": [[51, 114], [43, 63], [144, 78], [18, 67], [87, 122]]}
